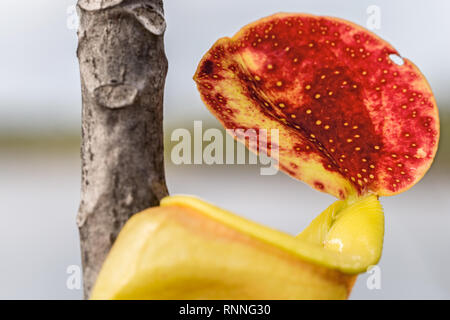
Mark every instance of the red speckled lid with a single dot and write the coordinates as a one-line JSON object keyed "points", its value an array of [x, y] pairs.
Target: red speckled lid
{"points": [[350, 120]]}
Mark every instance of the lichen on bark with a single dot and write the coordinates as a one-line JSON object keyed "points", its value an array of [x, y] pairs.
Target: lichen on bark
{"points": [[123, 69]]}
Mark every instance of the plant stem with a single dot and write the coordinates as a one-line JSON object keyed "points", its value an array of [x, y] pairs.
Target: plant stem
{"points": [[123, 69]]}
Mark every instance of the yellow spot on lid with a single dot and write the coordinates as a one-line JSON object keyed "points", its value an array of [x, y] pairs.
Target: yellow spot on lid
{"points": [[293, 116], [308, 111], [279, 83], [377, 147], [281, 105], [371, 176], [317, 96], [349, 140], [312, 136], [257, 78], [318, 122], [326, 127]]}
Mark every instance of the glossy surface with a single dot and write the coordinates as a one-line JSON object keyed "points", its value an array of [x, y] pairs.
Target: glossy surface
{"points": [[189, 249]]}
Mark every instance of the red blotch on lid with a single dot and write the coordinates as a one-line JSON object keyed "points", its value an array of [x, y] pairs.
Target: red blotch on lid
{"points": [[337, 98]]}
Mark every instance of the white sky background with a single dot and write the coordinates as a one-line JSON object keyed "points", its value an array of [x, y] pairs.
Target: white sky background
{"points": [[39, 83]]}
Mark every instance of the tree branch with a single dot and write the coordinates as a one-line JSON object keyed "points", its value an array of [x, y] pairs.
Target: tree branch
{"points": [[123, 69]]}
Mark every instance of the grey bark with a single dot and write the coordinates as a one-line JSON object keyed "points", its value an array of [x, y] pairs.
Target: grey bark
{"points": [[123, 68]]}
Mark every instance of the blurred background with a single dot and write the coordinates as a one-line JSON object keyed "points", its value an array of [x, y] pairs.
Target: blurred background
{"points": [[40, 109]]}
